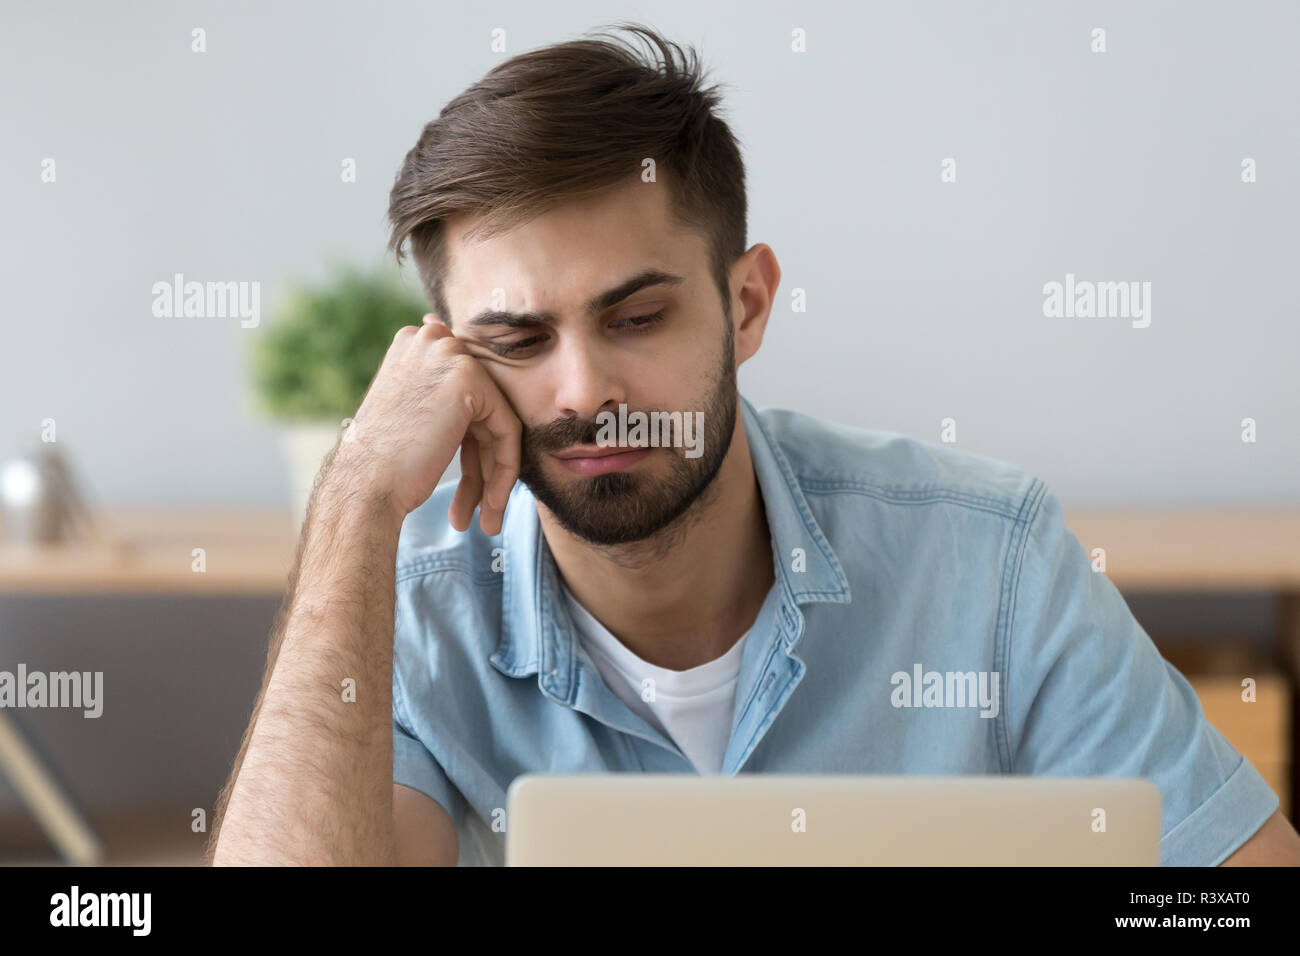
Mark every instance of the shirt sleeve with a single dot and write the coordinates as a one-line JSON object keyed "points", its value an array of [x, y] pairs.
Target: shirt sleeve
{"points": [[1088, 694], [414, 766]]}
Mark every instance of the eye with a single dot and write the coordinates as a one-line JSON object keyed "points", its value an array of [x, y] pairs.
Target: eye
{"points": [[633, 324], [512, 347], [642, 321]]}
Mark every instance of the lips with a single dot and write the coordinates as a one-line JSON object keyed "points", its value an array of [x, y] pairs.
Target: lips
{"points": [[591, 451], [599, 461]]}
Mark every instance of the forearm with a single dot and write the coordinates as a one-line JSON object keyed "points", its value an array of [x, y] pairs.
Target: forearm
{"points": [[314, 780]]}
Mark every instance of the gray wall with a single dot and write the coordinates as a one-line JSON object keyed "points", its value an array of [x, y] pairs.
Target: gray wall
{"points": [[924, 298]]}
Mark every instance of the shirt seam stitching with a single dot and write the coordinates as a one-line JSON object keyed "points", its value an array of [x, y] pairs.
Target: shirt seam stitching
{"points": [[1030, 510], [978, 502]]}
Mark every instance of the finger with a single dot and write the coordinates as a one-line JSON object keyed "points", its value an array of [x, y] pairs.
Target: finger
{"points": [[433, 329], [504, 435], [489, 513], [470, 488], [402, 340]]}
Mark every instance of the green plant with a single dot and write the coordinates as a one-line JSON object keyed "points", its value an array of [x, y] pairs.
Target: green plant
{"points": [[317, 356]]}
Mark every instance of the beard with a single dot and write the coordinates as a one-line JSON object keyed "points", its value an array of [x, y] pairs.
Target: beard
{"points": [[625, 507]]}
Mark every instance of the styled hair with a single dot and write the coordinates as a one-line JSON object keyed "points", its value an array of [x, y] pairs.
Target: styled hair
{"points": [[556, 123]]}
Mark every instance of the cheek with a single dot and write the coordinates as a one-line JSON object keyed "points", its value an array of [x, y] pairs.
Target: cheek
{"points": [[520, 389], [689, 379]]}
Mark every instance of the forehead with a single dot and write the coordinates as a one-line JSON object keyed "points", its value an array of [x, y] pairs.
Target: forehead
{"points": [[558, 259]]}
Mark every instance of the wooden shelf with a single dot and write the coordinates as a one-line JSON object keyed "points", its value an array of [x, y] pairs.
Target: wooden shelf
{"points": [[1202, 550], [150, 551]]}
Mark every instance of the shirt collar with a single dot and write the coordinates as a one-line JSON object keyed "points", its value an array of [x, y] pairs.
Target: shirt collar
{"points": [[531, 596]]}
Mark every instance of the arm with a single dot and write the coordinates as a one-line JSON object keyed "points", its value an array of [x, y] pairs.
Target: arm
{"points": [[424, 833], [315, 766], [313, 781], [1276, 843]]}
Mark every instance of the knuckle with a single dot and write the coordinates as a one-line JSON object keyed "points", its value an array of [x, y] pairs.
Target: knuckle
{"points": [[449, 345], [435, 331], [439, 351], [462, 362]]}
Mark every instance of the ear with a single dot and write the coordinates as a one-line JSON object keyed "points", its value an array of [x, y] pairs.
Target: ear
{"points": [[759, 274]]}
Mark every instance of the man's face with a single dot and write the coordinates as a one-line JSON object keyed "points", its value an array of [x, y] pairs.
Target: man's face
{"points": [[529, 306]]}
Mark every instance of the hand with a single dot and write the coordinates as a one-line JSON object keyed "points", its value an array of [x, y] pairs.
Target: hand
{"points": [[429, 397]]}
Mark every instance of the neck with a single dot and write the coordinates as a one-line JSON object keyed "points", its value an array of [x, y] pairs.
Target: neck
{"points": [[685, 596]]}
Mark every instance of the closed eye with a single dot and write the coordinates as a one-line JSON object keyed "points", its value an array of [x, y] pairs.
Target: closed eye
{"points": [[634, 325]]}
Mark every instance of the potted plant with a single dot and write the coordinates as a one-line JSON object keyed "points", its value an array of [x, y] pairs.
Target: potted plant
{"points": [[313, 361]]}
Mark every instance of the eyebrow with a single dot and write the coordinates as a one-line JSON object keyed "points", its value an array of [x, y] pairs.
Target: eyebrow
{"points": [[598, 303]]}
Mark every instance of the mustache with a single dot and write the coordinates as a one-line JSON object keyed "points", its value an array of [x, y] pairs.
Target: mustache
{"points": [[564, 433]]}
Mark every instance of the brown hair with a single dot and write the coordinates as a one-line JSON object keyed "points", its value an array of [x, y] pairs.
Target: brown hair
{"points": [[561, 121]]}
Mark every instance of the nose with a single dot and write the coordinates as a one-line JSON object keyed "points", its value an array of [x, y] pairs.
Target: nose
{"points": [[589, 380]]}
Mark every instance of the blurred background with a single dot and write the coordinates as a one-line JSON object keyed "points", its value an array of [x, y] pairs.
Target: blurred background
{"points": [[921, 170]]}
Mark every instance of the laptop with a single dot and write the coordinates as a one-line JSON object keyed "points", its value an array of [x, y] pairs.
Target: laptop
{"points": [[631, 819]]}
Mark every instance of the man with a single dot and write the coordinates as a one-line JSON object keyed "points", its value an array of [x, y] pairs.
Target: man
{"points": [[767, 593]]}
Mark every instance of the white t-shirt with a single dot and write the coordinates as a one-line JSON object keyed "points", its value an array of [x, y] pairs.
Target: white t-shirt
{"points": [[692, 708]]}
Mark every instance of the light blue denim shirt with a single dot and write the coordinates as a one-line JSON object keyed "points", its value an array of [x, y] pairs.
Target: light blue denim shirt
{"points": [[893, 558]]}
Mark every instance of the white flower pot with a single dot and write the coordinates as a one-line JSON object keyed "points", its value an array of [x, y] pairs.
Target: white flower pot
{"points": [[304, 446]]}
